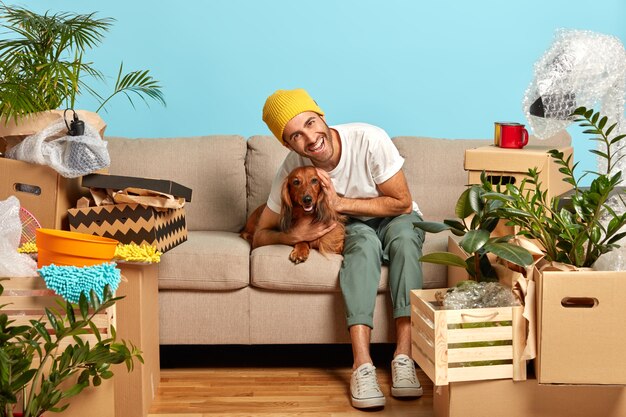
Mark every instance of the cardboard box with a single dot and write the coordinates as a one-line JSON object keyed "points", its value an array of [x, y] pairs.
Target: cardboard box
{"points": [[528, 398], [509, 166], [138, 323], [119, 182], [132, 223], [580, 327], [449, 345], [27, 298], [41, 190]]}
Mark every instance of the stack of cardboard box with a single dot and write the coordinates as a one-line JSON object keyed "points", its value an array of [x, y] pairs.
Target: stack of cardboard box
{"points": [[580, 369], [52, 200]]}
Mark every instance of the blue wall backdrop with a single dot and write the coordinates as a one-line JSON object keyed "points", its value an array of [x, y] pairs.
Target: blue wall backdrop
{"points": [[438, 68]]}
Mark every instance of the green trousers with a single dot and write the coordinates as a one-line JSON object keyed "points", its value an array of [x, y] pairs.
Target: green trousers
{"points": [[392, 241]]}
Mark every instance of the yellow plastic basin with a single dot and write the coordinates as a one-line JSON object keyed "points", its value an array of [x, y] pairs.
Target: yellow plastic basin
{"points": [[65, 248]]}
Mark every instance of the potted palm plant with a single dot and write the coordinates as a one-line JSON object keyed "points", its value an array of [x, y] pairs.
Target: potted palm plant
{"points": [[37, 374], [43, 65]]}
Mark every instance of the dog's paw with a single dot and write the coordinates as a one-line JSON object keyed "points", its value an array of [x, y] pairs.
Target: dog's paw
{"points": [[299, 254]]}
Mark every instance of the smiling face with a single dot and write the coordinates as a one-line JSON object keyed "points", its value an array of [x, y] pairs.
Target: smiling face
{"points": [[308, 135], [304, 188]]}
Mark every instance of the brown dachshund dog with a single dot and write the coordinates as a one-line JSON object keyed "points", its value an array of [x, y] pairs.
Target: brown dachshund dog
{"points": [[303, 200]]}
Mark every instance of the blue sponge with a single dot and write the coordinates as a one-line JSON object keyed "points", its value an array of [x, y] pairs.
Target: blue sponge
{"points": [[70, 281]]}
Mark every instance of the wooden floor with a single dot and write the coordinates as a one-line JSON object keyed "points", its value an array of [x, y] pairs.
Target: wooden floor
{"points": [[272, 381]]}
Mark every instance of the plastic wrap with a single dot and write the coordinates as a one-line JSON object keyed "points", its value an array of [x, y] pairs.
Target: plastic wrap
{"points": [[581, 68], [70, 156], [12, 263], [472, 294]]}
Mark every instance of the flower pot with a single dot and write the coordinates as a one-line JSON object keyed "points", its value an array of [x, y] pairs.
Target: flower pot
{"points": [[64, 248]]}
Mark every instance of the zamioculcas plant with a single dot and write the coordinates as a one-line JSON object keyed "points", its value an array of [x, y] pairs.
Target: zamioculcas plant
{"points": [[579, 234]]}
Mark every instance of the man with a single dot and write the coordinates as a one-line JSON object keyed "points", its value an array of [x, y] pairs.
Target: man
{"points": [[361, 172]]}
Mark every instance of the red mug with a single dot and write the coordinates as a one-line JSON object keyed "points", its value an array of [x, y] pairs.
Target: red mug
{"points": [[512, 135]]}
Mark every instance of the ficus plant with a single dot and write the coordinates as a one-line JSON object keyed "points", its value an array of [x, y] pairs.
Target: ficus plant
{"points": [[43, 65], [33, 367], [577, 233], [477, 219]]}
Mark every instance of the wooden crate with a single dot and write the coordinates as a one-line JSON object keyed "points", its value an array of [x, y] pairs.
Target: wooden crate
{"points": [[26, 299], [449, 345]]}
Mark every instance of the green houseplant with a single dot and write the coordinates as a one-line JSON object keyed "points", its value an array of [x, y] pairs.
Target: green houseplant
{"points": [[32, 365], [43, 65], [574, 235], [478, 217]]}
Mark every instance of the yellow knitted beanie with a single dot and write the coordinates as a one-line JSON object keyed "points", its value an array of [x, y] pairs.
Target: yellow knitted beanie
{"points": [[284, 105]]}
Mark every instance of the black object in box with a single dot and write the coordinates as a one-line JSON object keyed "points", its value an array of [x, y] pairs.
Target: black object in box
{"points": [[119, 182]]}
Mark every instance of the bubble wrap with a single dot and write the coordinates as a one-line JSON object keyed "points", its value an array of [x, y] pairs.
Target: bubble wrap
{"points": [[70, 156], [12, 263], [581, 68], [472, 294]]}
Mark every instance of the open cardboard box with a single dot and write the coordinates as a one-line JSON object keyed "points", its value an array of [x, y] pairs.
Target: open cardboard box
{"points": [[132, 223], [509, 166], [121, 182], [41, 190]]}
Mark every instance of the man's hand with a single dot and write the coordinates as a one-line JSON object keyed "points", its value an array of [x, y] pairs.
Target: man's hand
{"points": [[395, 198], [268, 233], [308, 232], [334, 200]]}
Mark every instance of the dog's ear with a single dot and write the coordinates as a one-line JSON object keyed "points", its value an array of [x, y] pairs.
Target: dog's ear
{"points": [[285, 206], [325, 213]]}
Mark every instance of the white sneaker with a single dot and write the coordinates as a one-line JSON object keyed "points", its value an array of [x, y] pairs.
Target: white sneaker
{"points": [[404, 380], [364, 389]]}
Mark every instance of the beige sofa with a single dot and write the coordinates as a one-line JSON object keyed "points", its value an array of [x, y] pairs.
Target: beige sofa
{"points": [[213, 290]]}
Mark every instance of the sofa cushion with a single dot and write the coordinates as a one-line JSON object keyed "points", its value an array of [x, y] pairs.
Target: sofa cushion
{"points": [[270, 268], [265, 154], [212, 166], [206, 261]]}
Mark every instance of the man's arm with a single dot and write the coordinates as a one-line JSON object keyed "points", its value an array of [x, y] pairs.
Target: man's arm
{"points": [[394, 201], [268, 231]]}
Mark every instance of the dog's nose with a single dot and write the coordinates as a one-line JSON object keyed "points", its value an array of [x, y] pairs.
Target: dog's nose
{"points": [[307, 199]]}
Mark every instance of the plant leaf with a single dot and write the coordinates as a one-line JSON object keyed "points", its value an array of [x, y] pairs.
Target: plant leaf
{"points": [[512, 253], [462, 208], [431, 227], [444, 258], [474, 240]]}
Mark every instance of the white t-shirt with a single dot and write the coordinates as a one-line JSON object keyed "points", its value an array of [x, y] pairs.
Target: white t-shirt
{"points": [[368, 158]]}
